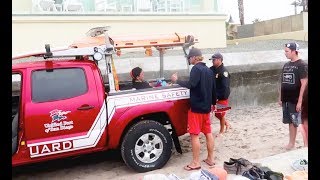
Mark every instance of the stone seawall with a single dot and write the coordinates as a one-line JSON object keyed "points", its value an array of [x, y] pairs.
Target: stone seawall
{"points": [[254, 75]]}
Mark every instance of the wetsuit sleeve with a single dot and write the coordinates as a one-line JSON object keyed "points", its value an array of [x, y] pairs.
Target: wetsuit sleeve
{"points": [[193, 80], [141, 85]]}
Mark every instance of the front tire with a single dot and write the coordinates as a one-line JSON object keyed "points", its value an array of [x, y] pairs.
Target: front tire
{"points": [[146, 146]]}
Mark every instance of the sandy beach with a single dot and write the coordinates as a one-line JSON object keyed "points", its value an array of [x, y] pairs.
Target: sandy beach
{"points": [[257, 132]]}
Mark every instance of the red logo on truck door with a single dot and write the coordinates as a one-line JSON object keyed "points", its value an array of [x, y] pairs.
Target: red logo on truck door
{"points": [[59, 121], [53, 148]]}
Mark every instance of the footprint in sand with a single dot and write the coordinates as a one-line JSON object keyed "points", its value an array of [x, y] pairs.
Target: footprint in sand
{"points": [[245, 147]]}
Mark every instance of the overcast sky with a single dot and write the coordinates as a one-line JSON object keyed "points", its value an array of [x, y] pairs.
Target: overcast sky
{"points": [[262, 9]]}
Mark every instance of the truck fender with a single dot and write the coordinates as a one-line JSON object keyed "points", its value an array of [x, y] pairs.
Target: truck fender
{"points": [[127, 119]]}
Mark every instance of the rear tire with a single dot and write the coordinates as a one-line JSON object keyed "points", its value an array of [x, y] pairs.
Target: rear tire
{"points": [[146, 146]]}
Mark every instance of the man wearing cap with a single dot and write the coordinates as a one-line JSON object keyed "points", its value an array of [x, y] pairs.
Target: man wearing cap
{"points": [[222, 78], [202, 100], [293, 80]]}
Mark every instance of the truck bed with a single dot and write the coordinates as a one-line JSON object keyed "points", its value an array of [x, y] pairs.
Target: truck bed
{"points": [[129, 91]]}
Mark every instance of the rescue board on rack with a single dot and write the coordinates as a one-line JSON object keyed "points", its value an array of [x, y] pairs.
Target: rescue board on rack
{"points": [[132, 41], [95, 39]]}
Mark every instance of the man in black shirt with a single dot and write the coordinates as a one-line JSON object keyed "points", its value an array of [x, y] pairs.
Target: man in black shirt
{"points": [[222, 78], [202, 100], [293, 82], [138, 81]]}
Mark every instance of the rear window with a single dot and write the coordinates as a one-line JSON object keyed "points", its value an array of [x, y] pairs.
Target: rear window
{"points": [[58, 84]]}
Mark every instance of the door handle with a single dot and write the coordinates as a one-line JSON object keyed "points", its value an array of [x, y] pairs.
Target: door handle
{"points": [[85, 107]]}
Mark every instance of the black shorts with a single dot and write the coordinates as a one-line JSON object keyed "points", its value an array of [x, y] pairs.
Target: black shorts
{"points": [[290, 115]]}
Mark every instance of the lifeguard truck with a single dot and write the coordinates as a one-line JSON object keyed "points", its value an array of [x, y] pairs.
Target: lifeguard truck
{"points": [[63, 106]]}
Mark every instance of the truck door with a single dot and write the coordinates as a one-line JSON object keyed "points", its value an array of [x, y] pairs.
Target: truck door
{"points": [[16, 93], [63, 112]]}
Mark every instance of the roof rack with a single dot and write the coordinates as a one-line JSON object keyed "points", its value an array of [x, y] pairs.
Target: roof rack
{"points": [[102, 47]]}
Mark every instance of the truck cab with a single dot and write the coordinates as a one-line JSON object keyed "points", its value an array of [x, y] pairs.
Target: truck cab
{"points": [[65, 105]]}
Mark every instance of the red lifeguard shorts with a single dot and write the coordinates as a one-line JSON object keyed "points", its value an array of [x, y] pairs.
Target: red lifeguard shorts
{"points": [[222, 114], [198, 122]]}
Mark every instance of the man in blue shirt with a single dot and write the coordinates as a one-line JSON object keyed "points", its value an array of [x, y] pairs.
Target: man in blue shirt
{"points": [[202, 100]]}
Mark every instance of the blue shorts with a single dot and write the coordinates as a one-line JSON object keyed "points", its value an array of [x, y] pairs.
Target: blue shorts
{"points": [[290, 115]]}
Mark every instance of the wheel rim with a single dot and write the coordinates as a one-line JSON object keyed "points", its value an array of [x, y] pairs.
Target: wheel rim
{"points": [[148, 148]]}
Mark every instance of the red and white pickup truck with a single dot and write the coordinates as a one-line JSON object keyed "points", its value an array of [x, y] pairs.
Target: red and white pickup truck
{"points": [[61, 107]]}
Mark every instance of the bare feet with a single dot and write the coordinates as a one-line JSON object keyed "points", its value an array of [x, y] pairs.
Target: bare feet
{"points": [[192, 166], [219, 135], [209, 162], [289, 147], [189, 168], [228, 127]]}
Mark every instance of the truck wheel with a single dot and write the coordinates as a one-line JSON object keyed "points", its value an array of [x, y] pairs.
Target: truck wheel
{"points": [[146, 146]]}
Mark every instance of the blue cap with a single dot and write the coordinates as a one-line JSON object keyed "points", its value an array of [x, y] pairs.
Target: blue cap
{"points": [[194, 52], [216, 56], [293, 46]]}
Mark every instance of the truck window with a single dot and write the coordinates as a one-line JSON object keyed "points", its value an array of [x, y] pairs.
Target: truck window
{"points": [[58, 84]]}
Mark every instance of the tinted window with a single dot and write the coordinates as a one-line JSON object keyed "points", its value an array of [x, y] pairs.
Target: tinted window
{"points": [[58, 84]]}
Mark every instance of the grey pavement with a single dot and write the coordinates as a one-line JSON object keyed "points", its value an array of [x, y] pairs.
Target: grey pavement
{"points": [[176, 62], [280, 162], [235, 62], [244, 57], [263, 45]]}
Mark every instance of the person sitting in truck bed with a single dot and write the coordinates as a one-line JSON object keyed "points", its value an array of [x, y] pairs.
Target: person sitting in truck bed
{"points": [[138, 81]]}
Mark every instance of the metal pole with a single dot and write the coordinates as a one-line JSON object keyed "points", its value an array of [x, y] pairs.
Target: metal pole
{"points": [[110, 75], [187, 60], [161, 52]]}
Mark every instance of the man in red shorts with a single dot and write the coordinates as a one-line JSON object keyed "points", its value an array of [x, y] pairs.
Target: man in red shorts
{"points": [[202, 101], [222, 77]]}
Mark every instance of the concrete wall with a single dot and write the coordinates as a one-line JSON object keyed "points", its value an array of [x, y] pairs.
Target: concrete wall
{"points": [[21, 6], [254, 87], [296, 35], [31, 33], [305, 22], [247, 88], [286, 24], [245, 31], [254, 75]]}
